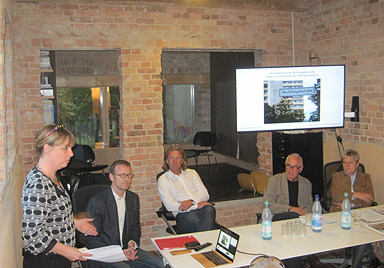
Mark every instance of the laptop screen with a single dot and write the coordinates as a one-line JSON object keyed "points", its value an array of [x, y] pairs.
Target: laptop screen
{"points": [[227, 243]]}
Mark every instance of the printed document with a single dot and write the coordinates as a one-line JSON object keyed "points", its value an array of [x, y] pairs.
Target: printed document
{"points": [[112, 253]]}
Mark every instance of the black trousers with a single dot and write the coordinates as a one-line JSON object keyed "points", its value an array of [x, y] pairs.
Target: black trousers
{"points": [[285, 216], [45, 261]]}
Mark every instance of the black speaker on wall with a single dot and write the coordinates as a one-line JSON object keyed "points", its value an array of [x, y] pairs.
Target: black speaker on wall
{"points": [[309, 146], [355, 108]]}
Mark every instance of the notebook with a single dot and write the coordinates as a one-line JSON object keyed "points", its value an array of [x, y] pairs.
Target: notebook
{"points": [[174, 242], [224, 252]]}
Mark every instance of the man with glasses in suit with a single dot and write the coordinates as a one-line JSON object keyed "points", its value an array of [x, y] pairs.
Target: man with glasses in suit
{"points": [[116, 214], [288, 193]]}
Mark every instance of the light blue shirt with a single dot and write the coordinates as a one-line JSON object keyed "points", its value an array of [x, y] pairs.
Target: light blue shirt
{"points": [[353, 178]]}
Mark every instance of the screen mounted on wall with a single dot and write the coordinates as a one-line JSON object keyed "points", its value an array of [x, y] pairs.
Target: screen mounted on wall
{"points": [[290, 98]]}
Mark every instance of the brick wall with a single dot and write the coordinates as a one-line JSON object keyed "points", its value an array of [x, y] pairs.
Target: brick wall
{"points": [[351, 33], [3, 93], [11, 165], [141, 32], [347, 31]]}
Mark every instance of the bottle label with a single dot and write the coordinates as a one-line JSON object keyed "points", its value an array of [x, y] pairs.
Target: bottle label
{"points": [[346, 220], [267, 230], [317, 222]]}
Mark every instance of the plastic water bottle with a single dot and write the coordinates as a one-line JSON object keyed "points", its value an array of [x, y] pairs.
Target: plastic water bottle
{"points": [[346, 213], [317, 218], [266, 220]]}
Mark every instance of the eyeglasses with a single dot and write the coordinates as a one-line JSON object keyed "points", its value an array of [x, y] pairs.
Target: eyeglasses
{"points": [[57, 127], [292, 167], [124, 176]]}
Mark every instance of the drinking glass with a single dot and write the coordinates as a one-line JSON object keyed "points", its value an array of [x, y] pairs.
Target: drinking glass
{"points": [[295, 229], [308, 219], [285, 229], [303, 229], [357, 217]]}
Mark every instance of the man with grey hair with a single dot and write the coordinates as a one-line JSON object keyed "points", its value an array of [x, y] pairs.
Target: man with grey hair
{"points": [[288, 193], [184, 194]]}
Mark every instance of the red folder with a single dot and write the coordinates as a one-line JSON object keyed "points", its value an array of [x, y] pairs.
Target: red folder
{"points": [[174, 242]]}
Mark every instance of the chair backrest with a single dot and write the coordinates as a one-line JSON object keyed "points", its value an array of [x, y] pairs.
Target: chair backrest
{"points": [[260, 180], [205, 139], [244, 180], [80, 200], [81, 197], [264, 261], [164, 209], [329, 169], [83, 153], [89, 154]]}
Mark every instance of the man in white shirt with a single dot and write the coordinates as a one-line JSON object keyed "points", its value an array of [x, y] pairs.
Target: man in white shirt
{"points": [[184, 194], [116, 214]]}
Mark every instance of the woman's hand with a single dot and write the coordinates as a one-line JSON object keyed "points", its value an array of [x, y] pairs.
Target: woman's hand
{"points": [[85, 226], [71, 253]]}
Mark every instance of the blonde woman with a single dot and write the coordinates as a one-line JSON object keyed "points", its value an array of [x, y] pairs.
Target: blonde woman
{"points": [[48, 226]]}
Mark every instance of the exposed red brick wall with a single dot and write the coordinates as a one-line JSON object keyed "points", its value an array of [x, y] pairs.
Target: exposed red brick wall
{"points": [[140, 32], [351, 33]]}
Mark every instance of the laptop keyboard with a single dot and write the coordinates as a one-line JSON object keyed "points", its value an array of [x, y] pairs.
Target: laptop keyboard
{"points": [[213, 257]]}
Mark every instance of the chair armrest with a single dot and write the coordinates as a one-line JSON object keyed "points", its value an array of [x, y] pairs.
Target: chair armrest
{"points": [[162, 212]]}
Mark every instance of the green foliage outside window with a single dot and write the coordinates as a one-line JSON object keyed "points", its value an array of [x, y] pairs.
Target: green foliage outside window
{"points": [[76, 112]]}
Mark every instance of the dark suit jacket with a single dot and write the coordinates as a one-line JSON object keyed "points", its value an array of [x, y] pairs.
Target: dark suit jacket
{"points": [[103, 209]]}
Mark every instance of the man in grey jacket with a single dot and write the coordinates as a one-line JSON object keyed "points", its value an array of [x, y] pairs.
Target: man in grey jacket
{"points": [[288, 193]]}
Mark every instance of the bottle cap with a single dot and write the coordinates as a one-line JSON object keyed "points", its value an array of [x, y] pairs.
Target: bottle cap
{"points": [[266, 203], [317, 197], [345, 194]]}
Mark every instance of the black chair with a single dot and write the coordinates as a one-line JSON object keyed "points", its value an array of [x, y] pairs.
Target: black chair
{"points": [[202, 139], [329, 169], [78, 172], [80, 200], [168, 217]]}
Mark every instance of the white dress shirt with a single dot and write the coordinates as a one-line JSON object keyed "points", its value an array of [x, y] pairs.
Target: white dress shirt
{"points": [[121, 208], [176, 188], [120, 203]]}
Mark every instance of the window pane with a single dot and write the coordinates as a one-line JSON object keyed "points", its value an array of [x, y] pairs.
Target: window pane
{"points": [[80, 110], [178, 113], [114, 117]]}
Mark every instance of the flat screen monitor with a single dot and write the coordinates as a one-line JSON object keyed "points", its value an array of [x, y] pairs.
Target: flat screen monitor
{"points": [[290, 98]]}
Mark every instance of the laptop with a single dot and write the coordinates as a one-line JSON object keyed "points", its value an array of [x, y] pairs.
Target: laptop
{"points": [[224, 252]]}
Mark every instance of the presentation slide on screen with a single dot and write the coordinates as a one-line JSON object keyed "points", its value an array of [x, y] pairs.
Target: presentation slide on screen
{"points": [[289, 98]]}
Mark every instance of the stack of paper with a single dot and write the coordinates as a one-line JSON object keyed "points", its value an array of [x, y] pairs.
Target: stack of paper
{"points": [[371, 216], [112, 253]]}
